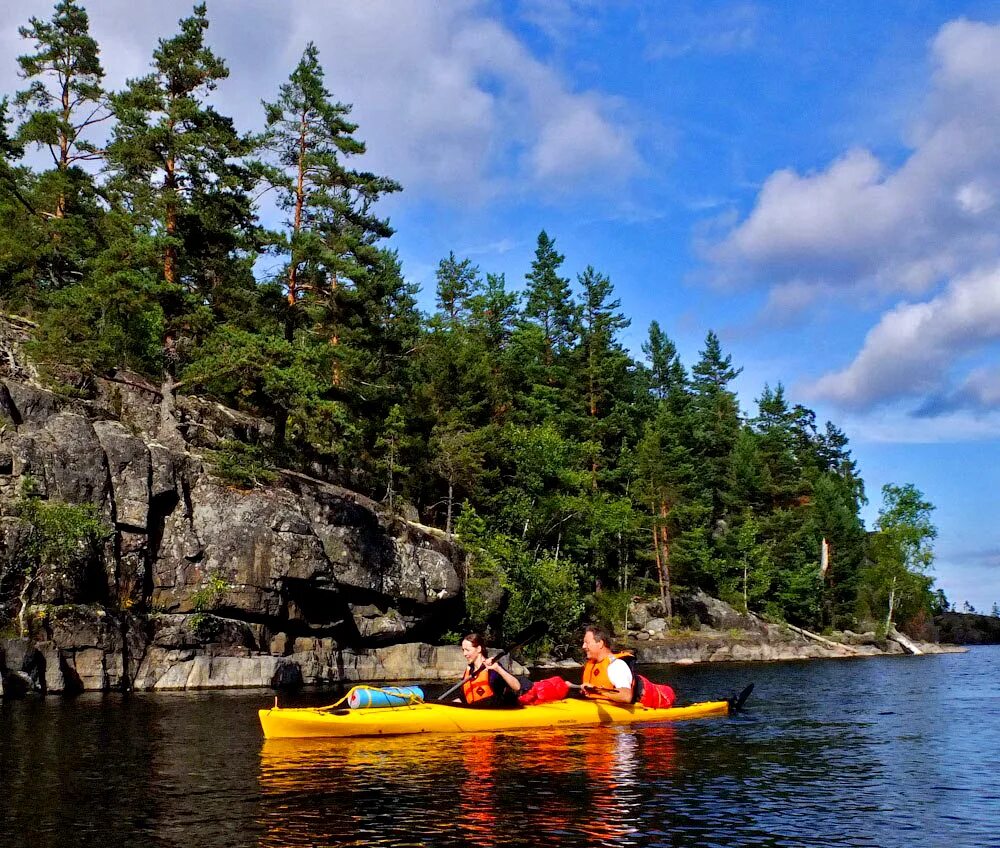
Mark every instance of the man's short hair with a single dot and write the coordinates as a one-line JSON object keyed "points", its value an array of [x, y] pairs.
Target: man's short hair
{"points": [[600, 634]]}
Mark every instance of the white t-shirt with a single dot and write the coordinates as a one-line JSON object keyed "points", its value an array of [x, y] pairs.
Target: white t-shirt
{"points": [[619, 674]]}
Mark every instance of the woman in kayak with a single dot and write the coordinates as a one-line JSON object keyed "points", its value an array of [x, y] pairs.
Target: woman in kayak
{"points": [[485, 683]]}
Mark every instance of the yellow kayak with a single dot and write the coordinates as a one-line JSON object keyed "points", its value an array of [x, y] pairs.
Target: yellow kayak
{"points": [[284, 723]]}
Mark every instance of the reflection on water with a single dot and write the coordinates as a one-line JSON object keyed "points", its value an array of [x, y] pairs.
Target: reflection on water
{"points": [[478, 789], [875, 752]]}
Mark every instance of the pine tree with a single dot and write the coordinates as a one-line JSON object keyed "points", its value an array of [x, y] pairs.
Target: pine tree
{"points": [[22, 231], [179, 175], [65, 99], [61, 109], [332, 232], [668, 475]]}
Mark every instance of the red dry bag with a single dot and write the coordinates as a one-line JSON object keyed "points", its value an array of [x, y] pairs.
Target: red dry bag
{"points": [[657, 695], [543, 691]]}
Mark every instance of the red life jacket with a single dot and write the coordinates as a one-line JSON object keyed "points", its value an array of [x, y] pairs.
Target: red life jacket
{"points": [[595, 673], [476, 687]]}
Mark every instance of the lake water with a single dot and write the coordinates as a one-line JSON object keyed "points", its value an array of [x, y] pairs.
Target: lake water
{"points": [[896, 751]]}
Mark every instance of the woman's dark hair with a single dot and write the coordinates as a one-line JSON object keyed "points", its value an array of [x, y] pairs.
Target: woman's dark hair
{"points": [[477, 641], [600, 634]]}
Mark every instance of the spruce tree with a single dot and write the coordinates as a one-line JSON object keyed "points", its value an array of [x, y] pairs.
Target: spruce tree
{"points": [[717, 420], [603, 369], [549, 302], [457, 282]]}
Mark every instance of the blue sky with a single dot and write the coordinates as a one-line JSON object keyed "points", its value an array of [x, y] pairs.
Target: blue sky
{"points": [[817, 182]]}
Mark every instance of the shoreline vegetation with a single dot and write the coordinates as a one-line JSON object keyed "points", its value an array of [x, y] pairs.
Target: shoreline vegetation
{"points": [[319, 663], [215, 474]]}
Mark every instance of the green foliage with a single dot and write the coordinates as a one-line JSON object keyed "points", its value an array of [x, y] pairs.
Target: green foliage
{"points": [[241, 465], [208, 595], [533, 588], [60, 533], [609, 608], [895, 581], [61, 538]]}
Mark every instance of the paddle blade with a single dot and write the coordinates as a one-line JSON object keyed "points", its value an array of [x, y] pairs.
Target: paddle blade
{"points": [[737, 701]]}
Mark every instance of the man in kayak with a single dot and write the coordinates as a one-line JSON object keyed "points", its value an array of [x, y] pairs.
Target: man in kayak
{"points": [[485, 683], [606, 676]]}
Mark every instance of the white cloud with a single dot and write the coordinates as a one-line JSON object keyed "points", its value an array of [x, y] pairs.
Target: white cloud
{"points": [[696, 29], [895, 426], [909, 352], [978, 392], [448, 99], [871, 230], [859, 221]]}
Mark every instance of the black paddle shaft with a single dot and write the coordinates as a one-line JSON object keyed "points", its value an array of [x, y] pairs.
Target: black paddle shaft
{"points": [[529, 634]]}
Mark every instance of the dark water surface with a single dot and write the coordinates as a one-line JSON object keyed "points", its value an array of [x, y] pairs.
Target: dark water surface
{"points": [[901, 751]]}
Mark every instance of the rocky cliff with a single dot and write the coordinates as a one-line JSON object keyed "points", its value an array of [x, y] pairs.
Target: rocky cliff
{"points": [[196, 581]]}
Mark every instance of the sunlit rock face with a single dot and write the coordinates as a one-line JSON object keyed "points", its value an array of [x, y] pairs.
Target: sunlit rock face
{"points": [[193, 566]]}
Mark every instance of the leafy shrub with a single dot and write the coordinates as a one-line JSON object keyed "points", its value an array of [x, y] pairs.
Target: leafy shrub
{"points": [[209, 595]]}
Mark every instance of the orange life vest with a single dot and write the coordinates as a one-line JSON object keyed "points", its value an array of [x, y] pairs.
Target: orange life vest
{"points": [[595, 673], [476, 687]]}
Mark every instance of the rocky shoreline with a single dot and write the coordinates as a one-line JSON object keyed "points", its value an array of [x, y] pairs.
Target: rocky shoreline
{"points": [[44, 668]]}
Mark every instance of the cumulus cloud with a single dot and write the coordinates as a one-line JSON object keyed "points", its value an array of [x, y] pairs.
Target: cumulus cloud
{"points": [[902, 229], [923, 229], [910, 351], [449, 100]]}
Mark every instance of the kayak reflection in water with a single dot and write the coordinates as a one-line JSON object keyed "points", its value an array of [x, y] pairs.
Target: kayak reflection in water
{"points": [[485, 683]]}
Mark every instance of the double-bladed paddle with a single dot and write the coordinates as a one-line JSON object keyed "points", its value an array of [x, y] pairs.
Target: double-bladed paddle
{"points": [[535, 630]]}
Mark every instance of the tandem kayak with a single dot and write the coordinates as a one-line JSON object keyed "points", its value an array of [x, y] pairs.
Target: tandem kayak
{"points": [[291, 722]]}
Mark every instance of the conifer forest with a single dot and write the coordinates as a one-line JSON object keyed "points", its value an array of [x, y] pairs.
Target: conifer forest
{"points": [[143, 231]]}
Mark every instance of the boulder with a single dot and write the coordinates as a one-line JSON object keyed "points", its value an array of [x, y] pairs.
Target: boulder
{"points": [[165, 669], [374, 623], [716, 614], [968, 628]]}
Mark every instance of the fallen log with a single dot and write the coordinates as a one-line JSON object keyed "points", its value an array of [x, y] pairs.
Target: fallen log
{"points": [[907, 643], [815, 637], [822, 639]]}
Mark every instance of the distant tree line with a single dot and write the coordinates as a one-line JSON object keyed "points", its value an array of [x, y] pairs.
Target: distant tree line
{"points": [[576, 475]]}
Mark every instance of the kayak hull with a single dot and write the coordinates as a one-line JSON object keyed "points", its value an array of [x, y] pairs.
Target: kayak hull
{"points": [[288, 723]]}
